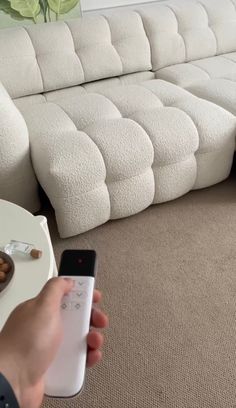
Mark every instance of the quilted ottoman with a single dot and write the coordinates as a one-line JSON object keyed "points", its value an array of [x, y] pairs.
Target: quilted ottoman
{"points": [[104, 138], [110, 155]]}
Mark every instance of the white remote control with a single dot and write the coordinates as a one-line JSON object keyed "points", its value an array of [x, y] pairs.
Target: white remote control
{"points": [[65, 376]]}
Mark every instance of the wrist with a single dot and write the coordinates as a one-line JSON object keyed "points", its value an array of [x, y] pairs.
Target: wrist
{"points": [[13, 367], [11, 371], [14, 372]]}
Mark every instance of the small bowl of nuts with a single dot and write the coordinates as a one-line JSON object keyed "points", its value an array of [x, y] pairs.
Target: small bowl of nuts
{"points": [[7, 269]]}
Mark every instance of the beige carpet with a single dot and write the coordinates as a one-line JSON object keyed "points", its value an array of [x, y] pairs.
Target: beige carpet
{"points": [[169, 281]]}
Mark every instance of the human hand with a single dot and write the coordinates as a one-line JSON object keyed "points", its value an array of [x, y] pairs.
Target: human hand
{"points": [[31, 337]]}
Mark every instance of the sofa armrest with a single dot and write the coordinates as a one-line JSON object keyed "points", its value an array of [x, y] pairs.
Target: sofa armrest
{"points": [[18, 183]]}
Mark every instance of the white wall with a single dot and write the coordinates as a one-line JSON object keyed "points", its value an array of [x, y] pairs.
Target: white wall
{"points": [[90, 5]]}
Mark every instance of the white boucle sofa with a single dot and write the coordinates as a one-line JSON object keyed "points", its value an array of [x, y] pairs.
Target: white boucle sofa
{"points": [[98, 105]]}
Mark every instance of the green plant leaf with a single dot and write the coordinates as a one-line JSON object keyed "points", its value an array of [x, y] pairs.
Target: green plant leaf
{"points": [[44, 8], [27, 8], [62, 6], [6, 7]]}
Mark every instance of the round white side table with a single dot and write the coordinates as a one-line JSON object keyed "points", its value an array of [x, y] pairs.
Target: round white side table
{"points": [[30, 274]]}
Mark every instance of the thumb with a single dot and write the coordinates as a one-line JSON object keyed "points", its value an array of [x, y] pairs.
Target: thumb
{"points": [[54, 290]]}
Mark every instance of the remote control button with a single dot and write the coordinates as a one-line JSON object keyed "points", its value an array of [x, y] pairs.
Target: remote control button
{"points": [[80, 294], [77, 295], [76, 305], [78, 286], [64, 306]]}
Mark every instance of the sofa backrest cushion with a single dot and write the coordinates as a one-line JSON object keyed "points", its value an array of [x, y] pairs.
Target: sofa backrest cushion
{"points": [[52, 56], [47, 57], [186, 30]]}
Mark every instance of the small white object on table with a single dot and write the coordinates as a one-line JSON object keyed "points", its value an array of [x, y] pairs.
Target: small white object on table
{"points": [[30, 274]]}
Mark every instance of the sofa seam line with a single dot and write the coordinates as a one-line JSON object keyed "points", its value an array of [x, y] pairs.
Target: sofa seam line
{"points": [[110, 101], [66, 24], [95, 144], [178, 32], [183, 111], [204, 70], [153, 93], [86, 135], [210, 26], [98, 186], [129, 178], [171, 105], [122, 66], [227, 59], [176, 162], [105, 168], [130, 119], [153, 149], [109, 182], [146, 35], [36, 57], [234, 5], [153, 166]]}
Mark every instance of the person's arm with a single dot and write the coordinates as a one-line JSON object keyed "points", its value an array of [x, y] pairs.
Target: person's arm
{"points": [[31, 337]]}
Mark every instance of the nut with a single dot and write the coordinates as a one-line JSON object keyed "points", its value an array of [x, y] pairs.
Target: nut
{"points": [[5, 267], [36, 253], [3, 277]]}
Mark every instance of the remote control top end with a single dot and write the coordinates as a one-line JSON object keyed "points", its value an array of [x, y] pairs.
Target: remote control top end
{"points": [[78, 263]]}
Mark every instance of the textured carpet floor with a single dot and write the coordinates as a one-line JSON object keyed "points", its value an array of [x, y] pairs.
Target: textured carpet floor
{"points": [[168, 276]]}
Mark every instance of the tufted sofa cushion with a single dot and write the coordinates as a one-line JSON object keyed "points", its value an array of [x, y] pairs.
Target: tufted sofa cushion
{"points": [[220, 91], [213, 79], [188, 74], [17, 178], [46, 57], [41, 58], [193, 45], [111, 154], [188, 30]]}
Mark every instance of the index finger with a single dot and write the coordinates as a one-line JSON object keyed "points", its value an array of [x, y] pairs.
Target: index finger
{"points": [[97, 296], [54, 290]]}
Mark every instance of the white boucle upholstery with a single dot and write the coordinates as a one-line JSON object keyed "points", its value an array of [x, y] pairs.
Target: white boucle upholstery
{"points": [[17, 180], [107, 155], [186, 30], [123, 80], [19, 70], [121, 109], [62, 54], [185, 75], [213, 79], [193, 45], [220, 91]]}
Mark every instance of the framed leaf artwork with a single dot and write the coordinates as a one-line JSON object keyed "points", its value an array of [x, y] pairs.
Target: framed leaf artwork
{"points": [[15, 12]]}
